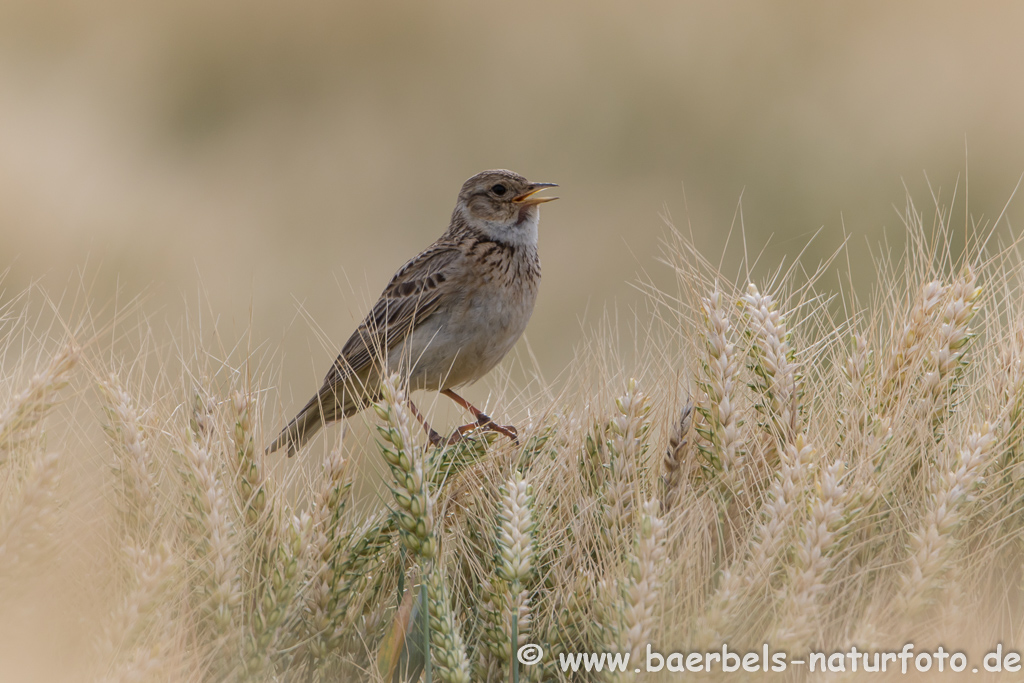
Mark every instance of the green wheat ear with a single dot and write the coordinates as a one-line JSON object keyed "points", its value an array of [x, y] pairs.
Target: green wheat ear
{"points": [[414, 511]]}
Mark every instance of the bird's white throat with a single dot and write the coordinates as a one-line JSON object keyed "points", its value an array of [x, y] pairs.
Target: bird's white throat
{"points": [[518, 234]]}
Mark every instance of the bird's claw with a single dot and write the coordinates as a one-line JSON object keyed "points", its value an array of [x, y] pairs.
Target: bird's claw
{"points": [[487, 425], [506, 430]]}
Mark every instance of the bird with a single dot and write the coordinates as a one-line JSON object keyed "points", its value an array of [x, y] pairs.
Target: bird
{"points": [[447, 317]]}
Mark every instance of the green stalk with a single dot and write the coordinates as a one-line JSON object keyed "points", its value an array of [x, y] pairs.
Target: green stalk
{"points": [[425, 615], [515, 643]]}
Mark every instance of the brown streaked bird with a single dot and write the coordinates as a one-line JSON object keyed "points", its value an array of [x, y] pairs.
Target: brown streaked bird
{"points": [[448, 316]]}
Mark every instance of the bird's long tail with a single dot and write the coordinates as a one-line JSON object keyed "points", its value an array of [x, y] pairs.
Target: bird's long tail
{"points": [[301, 429]]}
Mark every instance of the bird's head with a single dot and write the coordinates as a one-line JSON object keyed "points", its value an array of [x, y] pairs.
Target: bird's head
{"points": [[502, 205]]}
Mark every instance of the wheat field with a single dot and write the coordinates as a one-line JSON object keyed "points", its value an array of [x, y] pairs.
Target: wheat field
{"points": [[777, 465]]}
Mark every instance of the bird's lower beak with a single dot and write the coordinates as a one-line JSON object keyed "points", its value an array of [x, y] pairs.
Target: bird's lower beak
{"points": [[529, 199]]}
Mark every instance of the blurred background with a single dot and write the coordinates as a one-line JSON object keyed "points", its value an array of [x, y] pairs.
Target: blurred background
{"points": [[272, 164]]}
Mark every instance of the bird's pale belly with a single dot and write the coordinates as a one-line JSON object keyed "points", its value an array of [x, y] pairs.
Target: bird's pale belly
{"points": [[466, 346]]}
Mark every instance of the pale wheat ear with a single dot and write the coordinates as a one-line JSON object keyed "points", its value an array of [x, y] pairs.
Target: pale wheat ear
{"points": [[626, 438], [813, 562], [30, 502], [30, 513], [640, 593], [25, 409], [328, 541], [151, 562], [137, 467], [951, 489], [214, 529]]}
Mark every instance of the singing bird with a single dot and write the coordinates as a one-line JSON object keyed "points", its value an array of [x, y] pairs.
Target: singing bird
{"points": [[448, 316]]}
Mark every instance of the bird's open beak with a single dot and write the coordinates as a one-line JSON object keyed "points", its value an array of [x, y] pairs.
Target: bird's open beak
{"points": [[528, 197]]}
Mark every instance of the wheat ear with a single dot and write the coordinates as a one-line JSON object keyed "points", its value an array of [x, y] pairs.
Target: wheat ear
{"points": [[509, 616], [213, 520], [722, 442], [31, 514], [135, 464], [931, 544], [416, 529], [625, 439], [29, 406], [643, 589], [326, 547], [813, 561]]}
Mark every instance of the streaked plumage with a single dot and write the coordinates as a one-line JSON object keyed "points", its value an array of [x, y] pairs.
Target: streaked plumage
{"points": [[449, 315]]}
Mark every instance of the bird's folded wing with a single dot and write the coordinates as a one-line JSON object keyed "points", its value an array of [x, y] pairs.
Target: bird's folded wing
{"points": [[412, 296]]}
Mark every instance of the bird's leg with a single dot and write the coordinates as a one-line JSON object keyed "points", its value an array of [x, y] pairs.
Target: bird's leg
{"points": [[482, 421], [434, 437]]}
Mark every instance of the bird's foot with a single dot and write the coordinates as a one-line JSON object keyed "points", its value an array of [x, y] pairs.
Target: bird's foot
{"points": [[505, 430], [488, 425]]}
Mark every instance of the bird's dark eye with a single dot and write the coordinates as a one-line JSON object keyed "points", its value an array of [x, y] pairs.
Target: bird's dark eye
{"points": [[499, 189]]}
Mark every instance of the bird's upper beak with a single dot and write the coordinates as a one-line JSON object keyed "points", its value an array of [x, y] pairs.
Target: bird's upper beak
{"points": [[528, 197]]}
